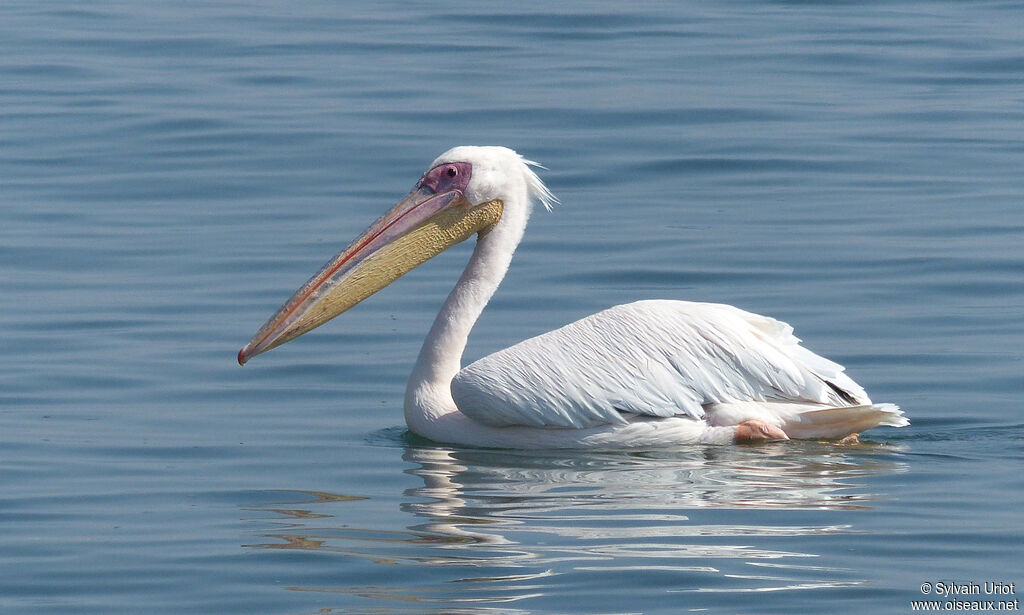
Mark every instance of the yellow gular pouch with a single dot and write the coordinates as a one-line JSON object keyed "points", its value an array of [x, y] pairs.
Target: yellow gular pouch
{"points": [[448, 227]]}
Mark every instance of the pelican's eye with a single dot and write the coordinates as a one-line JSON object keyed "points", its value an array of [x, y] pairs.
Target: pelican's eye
{"points": [[447, 176]]}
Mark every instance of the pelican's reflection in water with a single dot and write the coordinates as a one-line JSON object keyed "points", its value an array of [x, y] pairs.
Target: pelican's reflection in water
{"points": [[495, 527]]}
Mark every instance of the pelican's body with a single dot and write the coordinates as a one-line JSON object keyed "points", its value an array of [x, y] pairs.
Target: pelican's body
{"points": [[651, 373]]}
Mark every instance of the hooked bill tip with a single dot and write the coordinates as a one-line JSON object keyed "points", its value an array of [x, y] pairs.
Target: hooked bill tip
{"points": [[241, 356]]}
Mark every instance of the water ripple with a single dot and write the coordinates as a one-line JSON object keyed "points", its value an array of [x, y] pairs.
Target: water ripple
{"points": [[534, 523]]}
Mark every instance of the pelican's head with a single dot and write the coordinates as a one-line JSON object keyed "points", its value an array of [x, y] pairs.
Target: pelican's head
{"points": [[468, 190]]}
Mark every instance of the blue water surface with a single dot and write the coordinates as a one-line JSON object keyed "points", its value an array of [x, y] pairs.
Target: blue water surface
{"points": [[171, 171]]}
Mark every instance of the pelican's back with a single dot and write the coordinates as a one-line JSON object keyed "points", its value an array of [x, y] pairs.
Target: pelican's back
{"points": [[656, 358]]}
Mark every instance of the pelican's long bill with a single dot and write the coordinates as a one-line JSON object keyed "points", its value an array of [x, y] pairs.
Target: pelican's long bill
{"points": [[421, 226]]}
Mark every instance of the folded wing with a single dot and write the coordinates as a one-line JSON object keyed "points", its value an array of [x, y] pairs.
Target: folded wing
{"points": [[656, 358]]}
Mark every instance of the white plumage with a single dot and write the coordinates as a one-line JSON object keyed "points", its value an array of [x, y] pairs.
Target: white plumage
{"points": [[655, 358], [650, 373]]}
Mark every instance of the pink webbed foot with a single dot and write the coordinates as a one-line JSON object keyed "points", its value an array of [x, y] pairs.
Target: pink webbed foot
{"points": [[849, 440], [754, 430]]}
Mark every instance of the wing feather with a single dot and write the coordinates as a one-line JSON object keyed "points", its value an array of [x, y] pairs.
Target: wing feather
{"points": [[655, 358]]}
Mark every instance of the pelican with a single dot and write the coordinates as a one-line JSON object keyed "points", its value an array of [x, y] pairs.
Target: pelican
{"points": [[653, 373]]}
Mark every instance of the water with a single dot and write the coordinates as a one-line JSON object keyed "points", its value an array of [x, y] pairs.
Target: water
{"points": [[171, 172]]}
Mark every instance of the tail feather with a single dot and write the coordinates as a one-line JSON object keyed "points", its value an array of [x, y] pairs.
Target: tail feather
{"points": [[809, 421], [835, 423]]}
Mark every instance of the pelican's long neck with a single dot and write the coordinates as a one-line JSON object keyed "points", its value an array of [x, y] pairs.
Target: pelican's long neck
{"points": [[429, 388]]}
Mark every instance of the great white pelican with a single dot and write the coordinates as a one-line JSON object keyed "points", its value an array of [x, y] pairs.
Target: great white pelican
{"points": [[644, 374]]}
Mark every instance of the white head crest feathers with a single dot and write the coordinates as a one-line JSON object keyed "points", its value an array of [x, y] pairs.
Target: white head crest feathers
{"points": [[492, 166]]}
